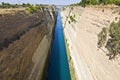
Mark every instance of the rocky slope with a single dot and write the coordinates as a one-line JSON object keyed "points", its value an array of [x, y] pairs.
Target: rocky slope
{"points": [[25, 41], [81, 27]]}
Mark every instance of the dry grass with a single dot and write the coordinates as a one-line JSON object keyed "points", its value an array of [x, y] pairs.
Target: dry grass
{"points": [[11, 10]]}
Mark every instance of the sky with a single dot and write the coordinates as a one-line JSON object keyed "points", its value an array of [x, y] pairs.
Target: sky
{"points": [[56, 2]]}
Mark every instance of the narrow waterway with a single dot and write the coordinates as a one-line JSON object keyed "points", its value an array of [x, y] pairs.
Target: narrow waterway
{"points": [[58, 68]]}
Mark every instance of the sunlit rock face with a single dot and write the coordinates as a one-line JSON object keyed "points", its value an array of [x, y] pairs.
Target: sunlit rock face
{"points": [[25, 41], [81, 27]]}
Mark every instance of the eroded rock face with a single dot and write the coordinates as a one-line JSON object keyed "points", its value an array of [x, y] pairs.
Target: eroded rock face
{"points": [[90, 62], [25, 40]]}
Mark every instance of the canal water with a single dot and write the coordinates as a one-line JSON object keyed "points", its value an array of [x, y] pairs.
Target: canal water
{"points": [[58, 68]]}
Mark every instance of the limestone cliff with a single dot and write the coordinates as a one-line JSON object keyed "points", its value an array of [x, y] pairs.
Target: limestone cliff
{"points": [[25, 41], [81, 27]]}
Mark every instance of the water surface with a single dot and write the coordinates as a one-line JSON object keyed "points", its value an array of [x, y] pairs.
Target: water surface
{"points": [[58, 68]]}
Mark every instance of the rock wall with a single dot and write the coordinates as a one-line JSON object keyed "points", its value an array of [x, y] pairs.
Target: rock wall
{"points": [[90, 62], [25, 41]]}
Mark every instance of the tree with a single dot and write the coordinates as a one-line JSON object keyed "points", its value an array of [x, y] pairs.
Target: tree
{"points": [[108, 1], [3, 3], [89, 2], [117, 2], [100, 1], [94, 2]]}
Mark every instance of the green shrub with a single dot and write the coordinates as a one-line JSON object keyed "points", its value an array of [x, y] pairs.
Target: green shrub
{"points": [[96, 2], [69, 22], [108, 1], [115, 30], [5, 5], [33, 9], [72, 18], [26, 5], [77, 4], [117, 2], [102, 36], [113, 43], [89, 2]]}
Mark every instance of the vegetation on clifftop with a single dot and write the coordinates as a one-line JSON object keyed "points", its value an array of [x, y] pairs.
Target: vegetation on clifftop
{"points": [[8, 5], [96, 2], [32, 8], [113, 42]]}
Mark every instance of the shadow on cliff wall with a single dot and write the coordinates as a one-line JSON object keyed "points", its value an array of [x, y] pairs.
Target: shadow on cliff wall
{"points": [[54, 67]]}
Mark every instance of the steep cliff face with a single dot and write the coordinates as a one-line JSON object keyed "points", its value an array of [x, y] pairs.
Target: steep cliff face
{"points": [[81, 27], [25, 41]]}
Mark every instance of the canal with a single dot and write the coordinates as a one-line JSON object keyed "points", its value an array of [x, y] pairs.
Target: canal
{"points": [[58, 67]]}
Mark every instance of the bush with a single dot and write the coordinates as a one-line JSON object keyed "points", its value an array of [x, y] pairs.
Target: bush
{"points": [[77, 4], [113, 43], [72, 18], [5, 5], [69, 22], [108, 1], [102, 36], [115, 30], [33, 9], [96, 2], [117, 2], [89, 2]]}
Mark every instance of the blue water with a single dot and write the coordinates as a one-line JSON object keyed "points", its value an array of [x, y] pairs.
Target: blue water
{"points": [[58, 68]]}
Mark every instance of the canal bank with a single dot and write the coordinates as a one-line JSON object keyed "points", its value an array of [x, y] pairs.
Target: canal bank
{"points": [[58, 67], [70, 61]]}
